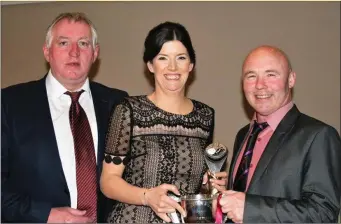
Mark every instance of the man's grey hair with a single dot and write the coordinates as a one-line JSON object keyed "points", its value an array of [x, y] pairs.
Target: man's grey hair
{"points": [[74, 17]]}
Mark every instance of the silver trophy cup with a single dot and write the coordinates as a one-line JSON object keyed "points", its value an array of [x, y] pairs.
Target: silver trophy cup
{"points": [[199, 206]]}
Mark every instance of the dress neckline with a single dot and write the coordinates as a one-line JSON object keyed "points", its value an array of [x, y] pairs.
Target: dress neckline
{"points": [[169, 113]]}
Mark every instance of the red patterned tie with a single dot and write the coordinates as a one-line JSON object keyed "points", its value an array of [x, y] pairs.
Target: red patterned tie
{"points": [[85, 158]]}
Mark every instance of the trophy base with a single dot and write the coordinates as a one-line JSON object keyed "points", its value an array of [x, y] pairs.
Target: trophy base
{"points": [[198, 220]]}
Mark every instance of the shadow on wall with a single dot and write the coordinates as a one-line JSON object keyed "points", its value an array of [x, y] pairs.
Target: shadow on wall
{"points": [[248, 110], [150, 78], [93, 70]]}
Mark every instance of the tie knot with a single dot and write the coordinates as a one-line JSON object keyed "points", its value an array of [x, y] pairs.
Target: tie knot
{"points": [[258, 127], [74, 95]]}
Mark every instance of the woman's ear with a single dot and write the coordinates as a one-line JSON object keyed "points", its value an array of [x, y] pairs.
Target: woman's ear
{"points": [[191, 66], [150, 67]]}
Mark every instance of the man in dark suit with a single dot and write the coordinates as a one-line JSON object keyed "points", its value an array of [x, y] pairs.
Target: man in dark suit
{"points": [[41, 178], [289, 170]]}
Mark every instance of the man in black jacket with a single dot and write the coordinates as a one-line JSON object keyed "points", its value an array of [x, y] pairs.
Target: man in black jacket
{"points": [[43, 178]]}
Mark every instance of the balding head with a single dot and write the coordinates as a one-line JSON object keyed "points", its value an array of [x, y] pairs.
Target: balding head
{"points": [[267, 49], [267, 80]]}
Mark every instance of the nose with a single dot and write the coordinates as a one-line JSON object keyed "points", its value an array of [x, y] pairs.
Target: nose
{"points": [[172, 65], [74, 51], [260, 83]]}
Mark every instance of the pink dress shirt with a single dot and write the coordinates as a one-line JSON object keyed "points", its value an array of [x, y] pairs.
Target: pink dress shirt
{"points": [[263, 138]]}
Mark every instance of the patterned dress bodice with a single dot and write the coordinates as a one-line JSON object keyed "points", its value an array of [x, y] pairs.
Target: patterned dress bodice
{"points": [[159, 147]]}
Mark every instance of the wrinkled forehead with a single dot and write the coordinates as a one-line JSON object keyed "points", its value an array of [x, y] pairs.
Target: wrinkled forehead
{"points": [[67, 24]]}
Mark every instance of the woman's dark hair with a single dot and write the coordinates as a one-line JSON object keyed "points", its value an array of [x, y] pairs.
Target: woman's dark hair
{"points": [[163, 33]]}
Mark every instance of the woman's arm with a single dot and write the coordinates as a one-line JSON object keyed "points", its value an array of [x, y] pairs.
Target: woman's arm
{"points": [[114, 187], [117, 150]]}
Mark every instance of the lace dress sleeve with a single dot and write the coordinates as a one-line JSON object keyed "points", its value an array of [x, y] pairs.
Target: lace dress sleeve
{"points": [[118, 137], [210, 137]]}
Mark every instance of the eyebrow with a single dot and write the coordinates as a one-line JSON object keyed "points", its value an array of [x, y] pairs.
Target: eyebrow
{"points": [[248, 72], [272, 71], [62, 37], [82, 38], [266, 71], [176, 55]]}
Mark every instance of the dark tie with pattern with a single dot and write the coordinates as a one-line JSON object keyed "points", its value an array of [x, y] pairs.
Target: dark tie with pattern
{"points": [[85, 158], [240, 181]]}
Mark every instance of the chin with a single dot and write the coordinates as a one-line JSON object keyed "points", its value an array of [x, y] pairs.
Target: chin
{"points": [[263, 113], [75, 76], [175, 89], [262, 110]]}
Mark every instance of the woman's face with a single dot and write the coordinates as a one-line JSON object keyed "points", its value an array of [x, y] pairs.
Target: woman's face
{"points": [[171, 67]]}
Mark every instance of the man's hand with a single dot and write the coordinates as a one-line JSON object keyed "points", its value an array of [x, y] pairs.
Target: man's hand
{"points": [[232, 203], [67, 215]]}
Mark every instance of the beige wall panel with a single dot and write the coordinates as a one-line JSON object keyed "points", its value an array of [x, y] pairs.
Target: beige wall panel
{"points": [[222, 34]]}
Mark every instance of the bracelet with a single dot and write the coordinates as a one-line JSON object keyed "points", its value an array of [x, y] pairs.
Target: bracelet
{"points": [[144, 199]]}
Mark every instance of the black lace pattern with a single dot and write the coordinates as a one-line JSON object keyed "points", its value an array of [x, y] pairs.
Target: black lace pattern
{"points": [[157, 147]]}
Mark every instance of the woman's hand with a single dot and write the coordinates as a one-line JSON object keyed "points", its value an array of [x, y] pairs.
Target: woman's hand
{"points": [[221, 182], [157, 199]]}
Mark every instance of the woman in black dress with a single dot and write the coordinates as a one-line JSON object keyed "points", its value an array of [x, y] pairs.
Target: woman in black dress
{"points": [[155, 143]]}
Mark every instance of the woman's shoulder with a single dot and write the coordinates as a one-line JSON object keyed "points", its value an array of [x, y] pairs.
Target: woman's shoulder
{"points": [[138, 101], [203, 108]]}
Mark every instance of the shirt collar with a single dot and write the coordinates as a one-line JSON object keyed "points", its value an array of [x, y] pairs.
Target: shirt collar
{"points": [[55, 89], [275, 118]]}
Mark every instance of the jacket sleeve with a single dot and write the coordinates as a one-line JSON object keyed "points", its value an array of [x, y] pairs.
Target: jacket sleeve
{"points": [[320, 192], [15, 207]]}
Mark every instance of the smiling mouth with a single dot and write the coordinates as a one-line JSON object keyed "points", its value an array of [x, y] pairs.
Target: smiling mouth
{"points": [[263, 96], [172, 76]]}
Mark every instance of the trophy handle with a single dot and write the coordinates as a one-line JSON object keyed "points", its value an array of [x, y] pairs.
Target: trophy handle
{"points": [[175, 217]]}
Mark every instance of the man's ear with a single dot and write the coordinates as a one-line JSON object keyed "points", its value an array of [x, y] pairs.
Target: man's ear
{"points": [[292, 79], [96, 53], [46, 52], [150, 67]]}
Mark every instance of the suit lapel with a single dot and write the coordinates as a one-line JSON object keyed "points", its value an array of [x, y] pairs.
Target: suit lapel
{"points": [[45, 126], [274, 144], [238, 146], [101, 106]]}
